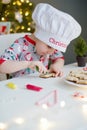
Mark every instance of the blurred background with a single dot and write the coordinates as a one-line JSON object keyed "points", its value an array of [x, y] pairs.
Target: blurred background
{"points": [[17, 14]]}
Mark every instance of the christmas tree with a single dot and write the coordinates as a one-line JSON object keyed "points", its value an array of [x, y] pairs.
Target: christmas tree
{"points": [[19, 13]]}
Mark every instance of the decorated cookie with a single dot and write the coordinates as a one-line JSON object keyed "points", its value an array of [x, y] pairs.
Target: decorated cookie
{"points": [[77, 76], [47, 75]]}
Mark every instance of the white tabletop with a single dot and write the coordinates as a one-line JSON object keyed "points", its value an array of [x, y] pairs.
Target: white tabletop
{"points": [[54, 107]]}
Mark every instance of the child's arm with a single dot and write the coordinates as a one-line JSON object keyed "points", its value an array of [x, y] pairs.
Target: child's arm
{"points": [[10, 66], [57, 67]]}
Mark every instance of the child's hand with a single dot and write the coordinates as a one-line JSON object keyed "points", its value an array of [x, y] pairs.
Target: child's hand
{"points": [[57, 68], [58, 71], [37, 64]]}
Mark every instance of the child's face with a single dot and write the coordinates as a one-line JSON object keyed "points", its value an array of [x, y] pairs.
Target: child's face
{"points": [[43, 49]]}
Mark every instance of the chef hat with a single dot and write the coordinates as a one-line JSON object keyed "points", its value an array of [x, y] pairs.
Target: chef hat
{"points": [[54, 27]]}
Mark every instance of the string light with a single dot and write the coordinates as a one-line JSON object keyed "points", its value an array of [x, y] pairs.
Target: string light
{"points": [[62, 104], [21, 11], [44, 124], [14, 3], [3, 19], [19, 14], [3, 126], [27, 1], [22, 27], [19, 121], [26, 13], [18, 3], [44, 106], [84, 107], [30, 4], [29, 23], [22, 1], [29, 29]]}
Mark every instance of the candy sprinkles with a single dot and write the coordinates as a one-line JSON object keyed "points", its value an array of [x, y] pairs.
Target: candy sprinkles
{"points": [[11, 85]]}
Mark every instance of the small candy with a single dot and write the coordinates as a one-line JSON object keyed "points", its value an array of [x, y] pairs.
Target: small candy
{"points": [[85, 68], [37, 68], [79, 95], [11, 85]]}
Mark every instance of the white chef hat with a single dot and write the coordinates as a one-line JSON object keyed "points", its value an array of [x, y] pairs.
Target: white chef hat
{"points": [[54, 27]]}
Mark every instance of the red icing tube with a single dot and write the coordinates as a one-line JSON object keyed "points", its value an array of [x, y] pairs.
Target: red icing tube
{"points": [[33, 87]]}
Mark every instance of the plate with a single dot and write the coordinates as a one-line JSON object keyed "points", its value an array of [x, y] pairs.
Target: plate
{"points": [[75, 84]]}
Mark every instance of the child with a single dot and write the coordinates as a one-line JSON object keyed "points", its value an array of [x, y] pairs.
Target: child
{"points": [[54, 31]]}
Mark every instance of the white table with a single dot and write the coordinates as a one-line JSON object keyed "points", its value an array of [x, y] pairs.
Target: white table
{"points": [[52, 108]]}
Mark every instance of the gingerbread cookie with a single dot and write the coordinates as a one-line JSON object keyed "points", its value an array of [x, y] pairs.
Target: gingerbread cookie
{"points": [[82, 82], [71, 78], [47, 75], [77, 76]]}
